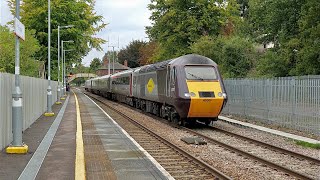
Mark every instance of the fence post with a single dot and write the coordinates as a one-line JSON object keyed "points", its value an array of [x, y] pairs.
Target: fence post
{"points": [[268, 97], [293, 86], [244, 97]]}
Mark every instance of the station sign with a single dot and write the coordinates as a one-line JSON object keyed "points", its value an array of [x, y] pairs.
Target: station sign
{"points": [[19, 29]]}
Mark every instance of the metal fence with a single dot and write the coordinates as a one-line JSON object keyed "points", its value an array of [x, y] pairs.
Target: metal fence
{"points": [[292, 102], [34, 99]]}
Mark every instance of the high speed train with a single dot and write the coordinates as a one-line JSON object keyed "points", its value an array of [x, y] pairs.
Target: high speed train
{"points": [[183, 90]]}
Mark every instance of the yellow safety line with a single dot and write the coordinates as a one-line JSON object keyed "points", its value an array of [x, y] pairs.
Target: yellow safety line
{"points": [[80, 172]]}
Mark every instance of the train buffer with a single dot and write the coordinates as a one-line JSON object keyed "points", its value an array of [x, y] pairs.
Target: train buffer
{"points": [[80, 142]]}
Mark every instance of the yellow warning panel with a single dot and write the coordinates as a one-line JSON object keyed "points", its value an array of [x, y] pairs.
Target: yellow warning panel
{"points": [[150, 85], [17, 149]]}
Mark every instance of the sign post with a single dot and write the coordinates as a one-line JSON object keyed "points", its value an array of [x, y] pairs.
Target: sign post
{"points": [[17, 146]]}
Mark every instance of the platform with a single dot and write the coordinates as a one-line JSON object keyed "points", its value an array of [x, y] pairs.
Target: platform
{"points": [[108, 151], [272, 131]]}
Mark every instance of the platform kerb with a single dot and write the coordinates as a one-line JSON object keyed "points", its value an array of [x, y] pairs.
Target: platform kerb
{"points": [[49, 114], [58, 103], [17, 149]]}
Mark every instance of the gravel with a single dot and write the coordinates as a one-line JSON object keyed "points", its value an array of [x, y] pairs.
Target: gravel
{"points": [[232, 164], [275, 140]]}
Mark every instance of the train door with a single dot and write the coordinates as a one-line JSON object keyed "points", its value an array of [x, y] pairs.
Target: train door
{"points": [[167, 81], [170, 85]]}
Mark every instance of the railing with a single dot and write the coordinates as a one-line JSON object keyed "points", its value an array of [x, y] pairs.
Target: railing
{"points": [[86, 75], [34, 99], [292, 102]]}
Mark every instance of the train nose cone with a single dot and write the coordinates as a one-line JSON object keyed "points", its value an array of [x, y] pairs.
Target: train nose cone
{"points": [[206, 103]]}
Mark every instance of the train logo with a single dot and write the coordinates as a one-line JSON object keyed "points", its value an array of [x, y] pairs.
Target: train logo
{"points": [[150, 85]]}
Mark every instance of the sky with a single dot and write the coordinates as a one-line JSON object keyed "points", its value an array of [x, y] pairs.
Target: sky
{"points": [[126, 21]]}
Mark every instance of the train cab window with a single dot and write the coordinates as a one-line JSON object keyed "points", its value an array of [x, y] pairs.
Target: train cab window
{"points": [[172, 76], [200, 73]]}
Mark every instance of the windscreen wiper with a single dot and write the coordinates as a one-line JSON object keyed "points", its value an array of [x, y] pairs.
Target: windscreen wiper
{"points": [[195, 76]]}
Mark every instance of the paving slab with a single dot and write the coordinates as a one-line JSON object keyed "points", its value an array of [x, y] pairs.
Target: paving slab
{"points": [[126, 159], [12, 165]]}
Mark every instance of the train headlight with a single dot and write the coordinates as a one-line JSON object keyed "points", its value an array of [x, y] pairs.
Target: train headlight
{"points": [[224, 95], [191, 94]]}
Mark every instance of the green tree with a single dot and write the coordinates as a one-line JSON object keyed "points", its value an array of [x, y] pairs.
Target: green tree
{"points": [[293, 26], [234, 55], [308, 61], [131, 53], [177, 24], [78, 68], [28, 64], [275, 20], [73, 12], [95, 65], [271, 64]]}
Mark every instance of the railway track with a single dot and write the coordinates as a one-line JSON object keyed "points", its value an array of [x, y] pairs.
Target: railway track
{"points": [[263, 144], [274, 163], [179, 163]]}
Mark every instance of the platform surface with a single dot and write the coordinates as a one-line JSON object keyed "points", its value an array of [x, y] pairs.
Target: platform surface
{"points": [[109, 152], [124, 155]]}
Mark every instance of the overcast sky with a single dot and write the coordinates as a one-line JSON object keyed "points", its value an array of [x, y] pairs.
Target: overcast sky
{"points": [[127, 20]]}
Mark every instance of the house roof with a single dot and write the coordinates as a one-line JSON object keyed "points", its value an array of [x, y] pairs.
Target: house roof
{"points": [[117, 66]]}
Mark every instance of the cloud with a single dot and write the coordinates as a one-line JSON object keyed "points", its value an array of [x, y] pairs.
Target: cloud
{"points": [[5, 14], [127, 20]]}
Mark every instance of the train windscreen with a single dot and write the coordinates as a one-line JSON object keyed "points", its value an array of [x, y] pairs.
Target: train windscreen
{"points": [[200, 73]]}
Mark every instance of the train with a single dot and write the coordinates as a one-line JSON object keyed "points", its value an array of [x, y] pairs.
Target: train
{"points": [[182, 90]]}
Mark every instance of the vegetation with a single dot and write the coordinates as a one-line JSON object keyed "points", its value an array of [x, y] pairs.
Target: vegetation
{"points": [[177, 24], [233, 32], [234, 54], [80, 14], [131, 53], [95, 65], [306, 144], [28, 48]]}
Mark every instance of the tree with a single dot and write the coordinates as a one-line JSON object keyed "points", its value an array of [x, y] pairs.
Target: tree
{"points": [[28, 64], [275, 20], [271, 64], [234, 55], [293, 26], [131, 53], [95, 65], [78, 68], [308, 61], [73, 12], [147, 52], [177, 24]]}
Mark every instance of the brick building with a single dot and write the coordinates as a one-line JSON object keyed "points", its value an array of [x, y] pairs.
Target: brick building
{"points": [[103, 70]]}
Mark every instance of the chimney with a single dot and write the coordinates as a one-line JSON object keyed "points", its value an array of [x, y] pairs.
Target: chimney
{"points": [[105, 60], [125, 63]]}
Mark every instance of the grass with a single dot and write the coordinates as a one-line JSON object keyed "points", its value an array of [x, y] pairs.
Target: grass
{"points": [[309, 145]]}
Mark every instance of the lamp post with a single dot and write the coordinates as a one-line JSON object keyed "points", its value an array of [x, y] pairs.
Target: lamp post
{"points": [[64, 60], [63, 75], [112, 60], [49, 90], [59, 93]]}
